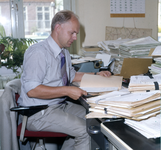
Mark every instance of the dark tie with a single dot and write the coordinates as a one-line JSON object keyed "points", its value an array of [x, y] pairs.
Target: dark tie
{"points": [[63, 69]]}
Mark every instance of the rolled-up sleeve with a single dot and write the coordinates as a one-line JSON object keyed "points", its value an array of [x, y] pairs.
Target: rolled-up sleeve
{"points": [[34, 69]]}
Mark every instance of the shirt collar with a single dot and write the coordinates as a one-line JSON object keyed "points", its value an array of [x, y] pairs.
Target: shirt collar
{"points": [[54, 46]]}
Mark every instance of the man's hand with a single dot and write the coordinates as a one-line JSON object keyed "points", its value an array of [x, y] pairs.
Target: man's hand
{"points": [[104, 73], [75, 92]]}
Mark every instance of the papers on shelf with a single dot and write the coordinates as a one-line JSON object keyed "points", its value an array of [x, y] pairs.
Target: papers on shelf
{"points": [[97, 83], [150, 128]]}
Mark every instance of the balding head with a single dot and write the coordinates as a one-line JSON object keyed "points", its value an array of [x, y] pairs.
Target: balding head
{"points": [[62, 17]]}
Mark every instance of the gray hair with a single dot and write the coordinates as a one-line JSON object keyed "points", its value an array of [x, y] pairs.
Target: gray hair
{"points": [[62, 17]]}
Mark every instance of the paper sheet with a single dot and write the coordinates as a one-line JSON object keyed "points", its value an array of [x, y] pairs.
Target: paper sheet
{"points": [[105, 58], [150, 128], [157, 51]]}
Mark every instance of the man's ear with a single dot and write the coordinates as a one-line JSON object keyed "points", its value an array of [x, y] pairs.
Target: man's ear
{"points": [[57, 27]]}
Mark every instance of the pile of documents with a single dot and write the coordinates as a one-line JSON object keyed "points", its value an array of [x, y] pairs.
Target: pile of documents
{"points": [[128, 48], [134, 48], [112, 46], [155, 68], [144, 83], [134, 106], [138, 48]]}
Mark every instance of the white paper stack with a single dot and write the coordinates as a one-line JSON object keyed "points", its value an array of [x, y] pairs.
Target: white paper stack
{"points": [[138, 48], [128, 48], [144, 83], [150, 128], [135, 106]]}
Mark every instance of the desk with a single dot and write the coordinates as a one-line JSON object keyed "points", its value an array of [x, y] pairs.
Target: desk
{"points": [[112, 132], [124, 137]]}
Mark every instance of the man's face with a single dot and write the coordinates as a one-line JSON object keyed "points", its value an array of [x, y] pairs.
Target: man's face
{"points": [[68, 33]]}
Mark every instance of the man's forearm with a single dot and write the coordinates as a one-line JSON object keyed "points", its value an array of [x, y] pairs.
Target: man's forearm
{"points": [[46, 92]]}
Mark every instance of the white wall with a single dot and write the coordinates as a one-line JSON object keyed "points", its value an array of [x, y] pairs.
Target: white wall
{"points": [[95, 16]]}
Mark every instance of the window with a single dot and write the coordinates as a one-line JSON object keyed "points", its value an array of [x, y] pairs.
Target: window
{"points": [[38, 15], [43, 17]]}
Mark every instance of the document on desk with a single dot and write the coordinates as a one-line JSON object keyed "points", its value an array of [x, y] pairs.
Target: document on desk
{"points": [[135, 106], [133, 112], [143, 83], [150, 128], [97, 83], [125, 99]]}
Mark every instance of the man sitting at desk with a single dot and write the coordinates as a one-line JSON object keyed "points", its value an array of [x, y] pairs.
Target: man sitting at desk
{"points": [[45, 81]]}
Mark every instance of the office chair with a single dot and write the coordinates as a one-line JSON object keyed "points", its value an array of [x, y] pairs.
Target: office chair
{"points": [[21, 129]]}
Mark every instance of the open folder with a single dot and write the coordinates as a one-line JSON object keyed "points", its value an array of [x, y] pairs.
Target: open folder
{"points": [[97, 83]]}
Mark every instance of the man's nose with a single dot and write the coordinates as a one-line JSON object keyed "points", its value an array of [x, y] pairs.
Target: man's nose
{"points": [[74, 36]]}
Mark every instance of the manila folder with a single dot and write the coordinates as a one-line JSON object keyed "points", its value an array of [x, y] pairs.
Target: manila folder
{"points": [[100, 81]]}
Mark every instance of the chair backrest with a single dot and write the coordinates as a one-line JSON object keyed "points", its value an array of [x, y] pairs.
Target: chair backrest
{"points": [[16, 97], [7, 118]]}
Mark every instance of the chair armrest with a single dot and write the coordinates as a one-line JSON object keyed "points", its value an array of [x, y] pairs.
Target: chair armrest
{"points": [[28, 110]]}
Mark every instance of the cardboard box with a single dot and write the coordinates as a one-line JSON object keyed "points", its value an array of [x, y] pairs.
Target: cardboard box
{"points": [[135, 66]]}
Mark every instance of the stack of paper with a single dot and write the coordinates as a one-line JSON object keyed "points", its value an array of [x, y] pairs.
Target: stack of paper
{"points": [[156, 67], [112, 46], [135, 106], [144, 83], [128, 48], [138, 48], [84, 59], [150, 128]]}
